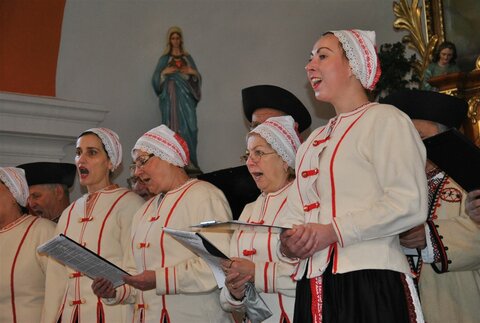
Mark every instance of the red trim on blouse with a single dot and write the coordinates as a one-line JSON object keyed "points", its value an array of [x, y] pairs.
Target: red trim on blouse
{"points": [[332, 178], [12, 273], [105, 221]]}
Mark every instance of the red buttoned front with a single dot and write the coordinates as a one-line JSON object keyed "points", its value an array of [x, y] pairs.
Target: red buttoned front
{"points": [[309, 207], [77, 302], [310, 172], [75, 275], [87, 219], [143, 245], [251, 252]]}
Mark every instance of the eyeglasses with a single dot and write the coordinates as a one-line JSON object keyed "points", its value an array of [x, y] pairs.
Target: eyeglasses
{"points": [[140, 162], [255, 155]]}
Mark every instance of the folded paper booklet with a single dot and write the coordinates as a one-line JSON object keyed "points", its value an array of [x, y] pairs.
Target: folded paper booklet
{"points": [[457, 156], [202, 247], [240, 225], [81, 259]]}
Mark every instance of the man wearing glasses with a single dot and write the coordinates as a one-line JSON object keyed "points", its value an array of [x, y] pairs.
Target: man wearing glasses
{"points": [[137, 185]]}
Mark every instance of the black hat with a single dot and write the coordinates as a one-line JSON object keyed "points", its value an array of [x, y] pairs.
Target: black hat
{"points": [[274, 97], [428, 105], [237, 184], [49, 173]]}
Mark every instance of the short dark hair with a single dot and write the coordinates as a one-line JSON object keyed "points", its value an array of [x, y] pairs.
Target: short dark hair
{"points": [[445, 44]]}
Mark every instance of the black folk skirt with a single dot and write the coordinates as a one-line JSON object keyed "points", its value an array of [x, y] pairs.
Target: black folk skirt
{"points": [[363, 296]]}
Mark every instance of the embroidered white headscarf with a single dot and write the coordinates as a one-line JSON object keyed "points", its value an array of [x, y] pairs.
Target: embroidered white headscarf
{"points": [[165, 144], [112, 144], [14, 179], [359, 45], [280, 133]]}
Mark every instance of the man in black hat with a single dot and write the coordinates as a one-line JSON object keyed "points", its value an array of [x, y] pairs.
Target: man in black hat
{"points": [[449, 240], [49, 185], [261, 102]]}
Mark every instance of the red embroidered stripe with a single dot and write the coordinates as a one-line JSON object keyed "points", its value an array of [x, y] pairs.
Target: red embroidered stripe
{"points": [[105, 221], [284, 316], [167, 285], [299, 166], [143, 214], [265, 277], [168, 219], [12, 274], [69, 217], [100, 311], [317, 299], [332, 180]]}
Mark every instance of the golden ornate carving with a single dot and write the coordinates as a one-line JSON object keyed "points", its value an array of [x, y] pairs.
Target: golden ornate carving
{"points": [[473, 130], [473, 103], [409, 18], [465, 85]]}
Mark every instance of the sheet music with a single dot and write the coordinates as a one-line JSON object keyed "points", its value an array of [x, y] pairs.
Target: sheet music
{"points": [[81, 259], [240, 225], [201, 246]]}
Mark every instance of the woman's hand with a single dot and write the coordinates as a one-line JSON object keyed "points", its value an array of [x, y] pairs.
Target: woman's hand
{"points": [[103, 288], [304, 241], [242, 267], [472, 206], [144, 281], [414, 238], [236, 285]]}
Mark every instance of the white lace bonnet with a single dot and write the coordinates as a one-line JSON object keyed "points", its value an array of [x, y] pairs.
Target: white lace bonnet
{"points": [[165, 144], [280, 133], [359, 45], [14, 179], [112, 144]]}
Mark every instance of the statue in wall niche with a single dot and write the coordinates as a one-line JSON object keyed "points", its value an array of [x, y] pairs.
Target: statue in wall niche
{"points": [[177, 83]]}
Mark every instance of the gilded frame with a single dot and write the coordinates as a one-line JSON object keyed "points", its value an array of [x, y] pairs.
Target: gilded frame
{"points": [[424, 21], [423, 36], [439, 20]]}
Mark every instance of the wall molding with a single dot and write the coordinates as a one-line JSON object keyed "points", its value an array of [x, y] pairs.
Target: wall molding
{"points": [[35, 128]]}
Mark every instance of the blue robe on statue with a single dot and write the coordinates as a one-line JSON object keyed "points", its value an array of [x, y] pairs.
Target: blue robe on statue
{"points": [[178, 96]]}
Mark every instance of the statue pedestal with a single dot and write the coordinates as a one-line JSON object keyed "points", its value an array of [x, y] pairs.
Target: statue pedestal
{"points": [[464, 85]]}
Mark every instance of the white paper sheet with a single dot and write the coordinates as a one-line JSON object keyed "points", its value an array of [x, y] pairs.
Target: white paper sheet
{"points": [[240, 225], [81, 259], [201, 246]]}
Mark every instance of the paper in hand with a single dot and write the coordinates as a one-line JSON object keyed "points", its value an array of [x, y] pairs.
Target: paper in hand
{"points": [[201, 246], [81, 259], [240, 226]]}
